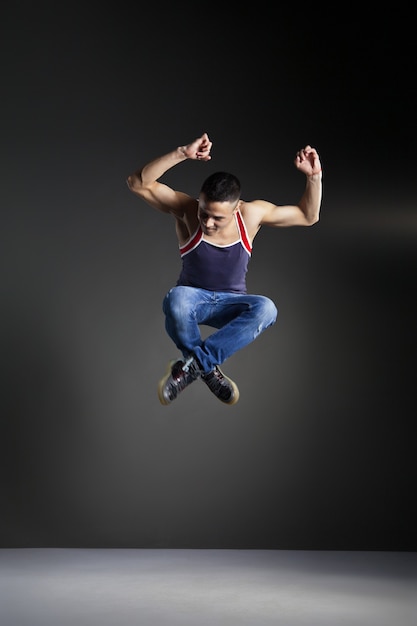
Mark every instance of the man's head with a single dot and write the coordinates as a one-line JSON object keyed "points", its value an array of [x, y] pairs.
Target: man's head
{"points": [[218, 200], [221, 187]]}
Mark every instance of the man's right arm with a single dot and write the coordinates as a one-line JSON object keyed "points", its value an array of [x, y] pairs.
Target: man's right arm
{"points": [[145, 184]]}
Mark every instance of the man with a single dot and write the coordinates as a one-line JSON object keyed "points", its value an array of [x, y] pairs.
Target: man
{"points": [[215, 235]]}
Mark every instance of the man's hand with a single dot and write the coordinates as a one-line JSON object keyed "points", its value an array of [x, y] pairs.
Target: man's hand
{"points": [[307, 161], [199, 149]]}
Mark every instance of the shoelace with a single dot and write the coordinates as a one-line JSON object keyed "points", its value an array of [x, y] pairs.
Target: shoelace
{"points": [[187, 364], [217, 383]]}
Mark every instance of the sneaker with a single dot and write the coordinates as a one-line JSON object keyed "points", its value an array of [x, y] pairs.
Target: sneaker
{"points": [[223, 387], [178, 376]]}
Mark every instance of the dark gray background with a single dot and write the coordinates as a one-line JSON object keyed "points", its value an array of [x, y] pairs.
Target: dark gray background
{"points": [[319, 451]]}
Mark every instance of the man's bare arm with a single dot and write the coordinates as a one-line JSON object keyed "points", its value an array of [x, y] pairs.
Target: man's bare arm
{"points": [[144, 182], [307, 211]]}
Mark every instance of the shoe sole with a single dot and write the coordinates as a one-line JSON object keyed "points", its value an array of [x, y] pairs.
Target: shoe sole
{"points": [[162, 382]]}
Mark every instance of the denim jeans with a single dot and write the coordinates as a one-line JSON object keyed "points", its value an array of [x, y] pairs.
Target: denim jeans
{"points": [[238, 318]]}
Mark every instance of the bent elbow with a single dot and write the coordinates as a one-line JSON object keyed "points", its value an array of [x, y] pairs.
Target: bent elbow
{"points": [[134, 182], [313, 219]]}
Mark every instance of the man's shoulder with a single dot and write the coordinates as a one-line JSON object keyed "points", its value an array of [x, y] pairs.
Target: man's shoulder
{"points": [[253, 214], [253, 210]]}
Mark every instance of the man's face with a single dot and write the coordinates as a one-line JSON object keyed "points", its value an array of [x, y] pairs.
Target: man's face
{"points": [[215, 216]]}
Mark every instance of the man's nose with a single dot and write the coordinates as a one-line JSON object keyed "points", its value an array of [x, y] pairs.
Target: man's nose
{"points": [[209, 222]]}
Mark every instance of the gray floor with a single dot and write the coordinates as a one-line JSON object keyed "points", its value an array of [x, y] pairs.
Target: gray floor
{"points": [[124, 587]]}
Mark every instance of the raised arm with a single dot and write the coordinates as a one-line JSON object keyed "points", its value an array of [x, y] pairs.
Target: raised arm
{"points": [[144, 182], [307, 211]]}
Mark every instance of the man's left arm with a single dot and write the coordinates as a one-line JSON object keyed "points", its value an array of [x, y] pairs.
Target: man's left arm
{"points": [[307, 211]]}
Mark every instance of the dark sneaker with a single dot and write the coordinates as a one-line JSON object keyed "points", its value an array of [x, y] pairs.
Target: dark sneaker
{"points": [[178, 376], [222, 386]]}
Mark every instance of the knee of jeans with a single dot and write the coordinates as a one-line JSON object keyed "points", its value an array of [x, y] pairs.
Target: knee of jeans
{"points": [[174, 302], [273, 311], [268, 314]]}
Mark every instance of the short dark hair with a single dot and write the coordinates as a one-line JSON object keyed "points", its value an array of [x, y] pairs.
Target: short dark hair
{"points": [[221, 187]]}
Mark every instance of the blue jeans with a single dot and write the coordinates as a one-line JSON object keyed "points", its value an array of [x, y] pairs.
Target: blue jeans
{"points": [[238, 318]]}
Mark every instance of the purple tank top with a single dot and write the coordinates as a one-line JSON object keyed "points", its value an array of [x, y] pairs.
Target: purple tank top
{"points": [[213, 267]]}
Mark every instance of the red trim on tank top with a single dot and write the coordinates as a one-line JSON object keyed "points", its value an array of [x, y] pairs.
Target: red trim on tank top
{"points": [[193, 242], [243, 233], [198, 236]]}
